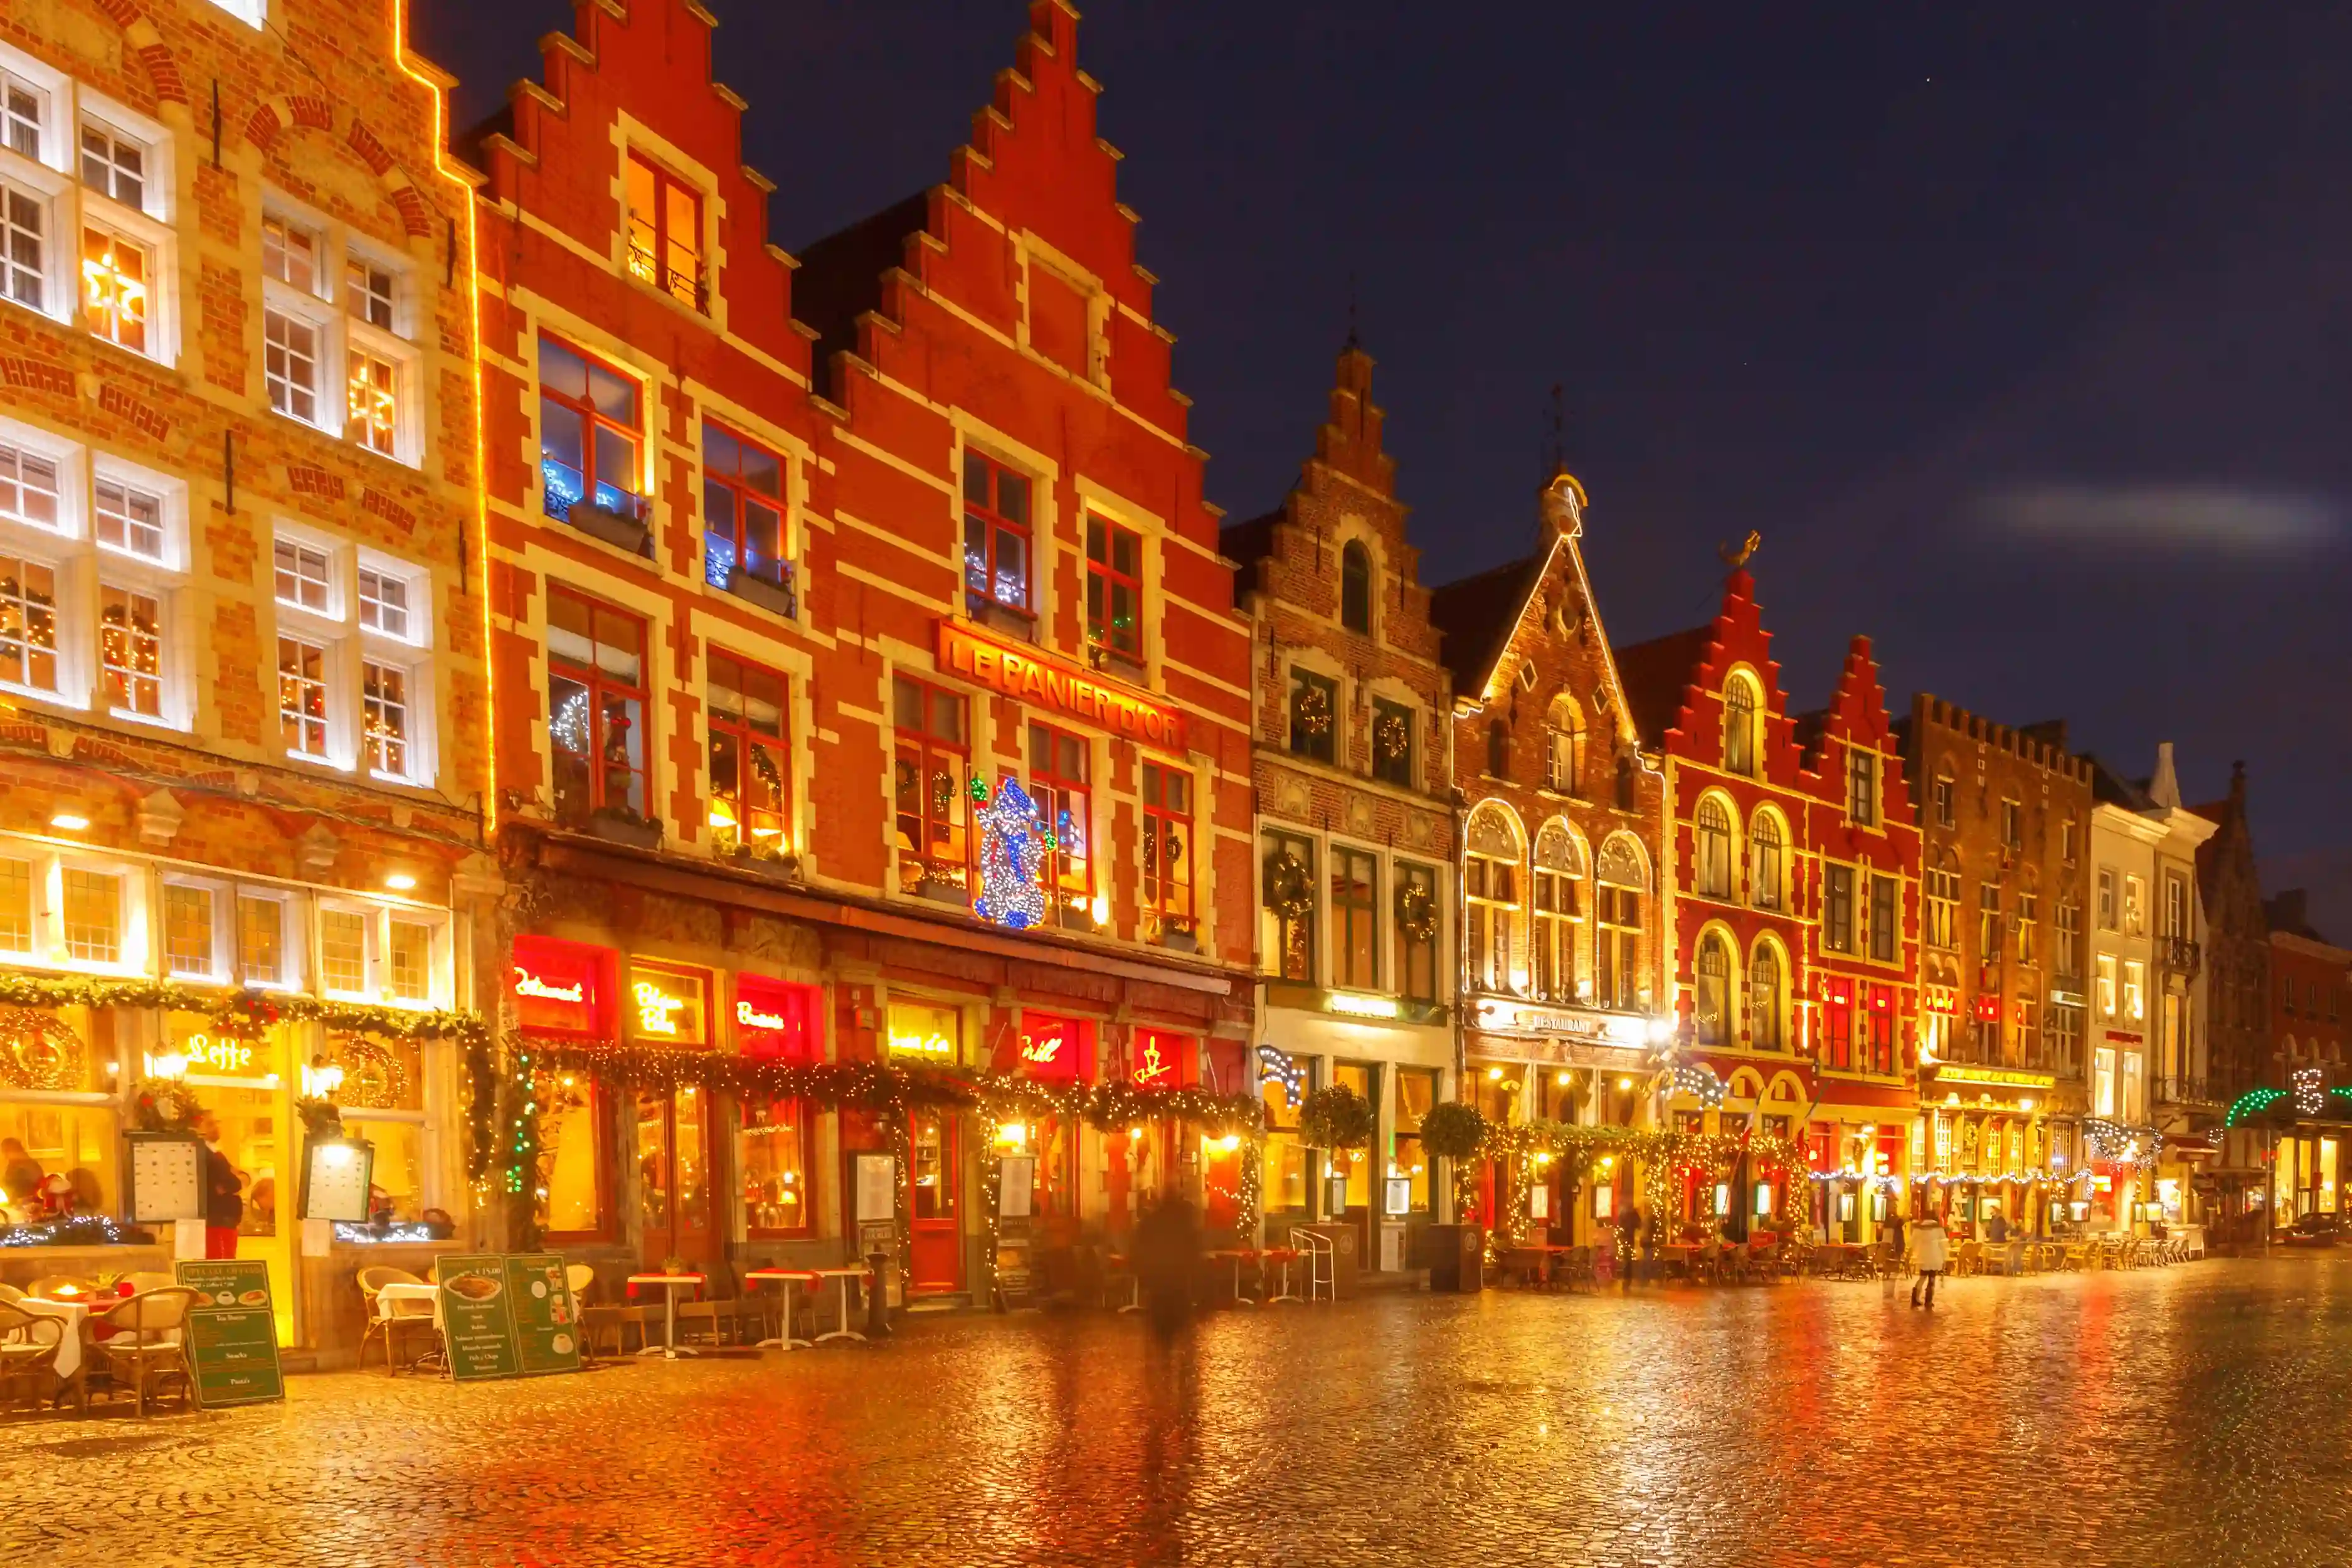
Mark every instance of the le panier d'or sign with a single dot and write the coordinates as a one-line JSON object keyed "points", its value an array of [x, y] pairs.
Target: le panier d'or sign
{"points": [[1022, 675]]}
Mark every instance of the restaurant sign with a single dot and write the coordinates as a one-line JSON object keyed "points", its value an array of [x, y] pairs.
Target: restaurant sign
{"points": [[509, 1316], [1080, 694], [559, 986], [1564, 1023], [232, 1335], [2009, 1077]]}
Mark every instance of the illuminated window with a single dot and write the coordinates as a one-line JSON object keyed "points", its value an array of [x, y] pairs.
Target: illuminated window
{"points": [[776, 1197], [1167, 847], [114, 278], [1114, 587], [2028, 907], [2135, 990], [130, 650], [385, 719], [597, 701], [304, 577], [374, 411], [289, 253], [1617, 939], [996, 535], [290, 365], [1711, 1003], [93, 916], [410, 951], [261, 942], [1558, 870], [384, 603], [1942, 893], [1416, 1095], [751, 762], [1739, 726], [1417, 949], [342, 950], [1355, 919], [1291, 905], [1564, 747], [24, 246], [188, 932], [2106, 985], [16, 906], [303, 696], [1766, 861], [587, 435], [28, 625], [29, 488], [1989, 923], [665, 232], [931, 806], [1764, 999], [1711, 833], [1060, 771], [742, 513], [368, 293], [130, 521], [1284, 1161]]}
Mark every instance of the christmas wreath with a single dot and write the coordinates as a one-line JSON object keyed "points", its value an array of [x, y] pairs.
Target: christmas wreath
{"points": [[1416, 913], [1289, 891], [1391, 736], [1312, 707]]}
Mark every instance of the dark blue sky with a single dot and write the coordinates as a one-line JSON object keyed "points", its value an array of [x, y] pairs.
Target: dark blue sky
{"points": [[2021, 331]]}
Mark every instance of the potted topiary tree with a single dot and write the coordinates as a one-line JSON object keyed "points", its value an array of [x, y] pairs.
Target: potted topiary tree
{"points": [[1453, 1132], [1335, 1118]]}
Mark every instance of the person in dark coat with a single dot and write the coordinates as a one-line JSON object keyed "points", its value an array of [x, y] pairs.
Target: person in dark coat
{"points": [[223, 1200], [1167, 1262]]}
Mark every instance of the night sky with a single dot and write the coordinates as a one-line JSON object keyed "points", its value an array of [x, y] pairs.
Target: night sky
{"points": [[2022, 332]]}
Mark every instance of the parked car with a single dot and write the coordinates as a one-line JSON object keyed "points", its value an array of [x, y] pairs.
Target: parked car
{"points": [[2314, 1230]]}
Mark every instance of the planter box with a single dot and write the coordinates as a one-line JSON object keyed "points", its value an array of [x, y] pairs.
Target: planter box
{"points": [[614, 828], [776, 867], [1457, 1254], [1180, 940], [777, 598], [630, 533], [996, 618]]}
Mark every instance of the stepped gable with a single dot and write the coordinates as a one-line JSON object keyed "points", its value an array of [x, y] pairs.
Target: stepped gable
{"points": [[1857, 714], [1675, 683]]}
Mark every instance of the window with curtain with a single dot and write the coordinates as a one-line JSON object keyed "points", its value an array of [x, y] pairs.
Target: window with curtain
{"points": [[1739, 726], [1767, 860], [1559, 913], [1711, 847], [1765, 1031], [1711, 999]]}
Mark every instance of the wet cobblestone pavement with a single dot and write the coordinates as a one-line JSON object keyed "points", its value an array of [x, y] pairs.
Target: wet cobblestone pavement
{"points": [[2195, 1415]]}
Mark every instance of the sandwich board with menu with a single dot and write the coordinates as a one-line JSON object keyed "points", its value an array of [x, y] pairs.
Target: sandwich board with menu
{"points": [[507, 1316], [232, 1332]]}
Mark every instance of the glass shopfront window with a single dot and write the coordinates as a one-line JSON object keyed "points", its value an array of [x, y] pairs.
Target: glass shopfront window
{"points": [[1355, 1164], [1416, 1093], [566, 990], [1285, 1168], [780, 1021], [46, 1054]]}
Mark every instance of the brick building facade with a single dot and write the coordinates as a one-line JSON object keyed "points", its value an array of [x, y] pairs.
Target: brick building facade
{"points": [[240, 612], [1353, 771]]}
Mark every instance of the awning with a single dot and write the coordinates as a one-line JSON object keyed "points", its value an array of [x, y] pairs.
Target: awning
{"points": [[2192, 1148]]}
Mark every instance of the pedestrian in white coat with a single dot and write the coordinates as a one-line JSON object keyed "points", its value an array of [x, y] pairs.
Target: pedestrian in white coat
{"points": [[1929, 1253]]}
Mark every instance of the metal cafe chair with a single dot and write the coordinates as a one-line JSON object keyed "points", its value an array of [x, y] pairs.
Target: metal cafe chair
{"points": [[147, 1342]]}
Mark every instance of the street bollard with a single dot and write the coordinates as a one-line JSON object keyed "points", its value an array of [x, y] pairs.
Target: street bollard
{"points": [[877, 1312]]}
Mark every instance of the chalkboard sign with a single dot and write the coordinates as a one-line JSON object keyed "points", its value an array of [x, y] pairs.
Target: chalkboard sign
{"points": [[477, 1317], [336, 1175], [232, 1335], [509, 1317], [162, 1177]]}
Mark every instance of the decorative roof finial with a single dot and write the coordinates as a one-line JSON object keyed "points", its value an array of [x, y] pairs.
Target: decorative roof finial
{"points": [[1738, 559]]}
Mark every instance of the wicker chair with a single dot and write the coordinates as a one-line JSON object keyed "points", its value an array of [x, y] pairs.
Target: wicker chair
{"points": [[372, 1280], [29, 1343], [147, 1345]]}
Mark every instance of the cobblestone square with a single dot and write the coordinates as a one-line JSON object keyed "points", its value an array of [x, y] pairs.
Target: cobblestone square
{"points": [[2193, 1415]]}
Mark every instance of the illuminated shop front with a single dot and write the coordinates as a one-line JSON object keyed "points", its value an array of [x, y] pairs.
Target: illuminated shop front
{"points": [[1986, 1141], [1557, 1062]]}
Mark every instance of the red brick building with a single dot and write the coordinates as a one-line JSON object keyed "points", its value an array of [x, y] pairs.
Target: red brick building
{"points": [[1563, 915], [240, 615], [831, 593]]}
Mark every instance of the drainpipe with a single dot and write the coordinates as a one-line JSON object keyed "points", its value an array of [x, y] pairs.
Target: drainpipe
{"points": [[1461, 976]]}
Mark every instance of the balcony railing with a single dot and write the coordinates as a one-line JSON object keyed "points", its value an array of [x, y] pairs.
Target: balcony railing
{"points": [[2179, 1091], [2181, 954]]}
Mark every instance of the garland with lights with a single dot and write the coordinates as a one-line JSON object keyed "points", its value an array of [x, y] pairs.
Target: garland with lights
{"points": [[1416, 913], [1289, 890], [1662, 1156], [246, 1011], [2255, 1101]]}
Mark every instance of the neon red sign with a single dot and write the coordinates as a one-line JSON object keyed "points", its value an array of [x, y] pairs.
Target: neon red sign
{"points": [[560, 987]]}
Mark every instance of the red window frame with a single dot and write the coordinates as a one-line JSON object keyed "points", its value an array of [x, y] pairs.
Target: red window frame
{"points": [[989, 522], [1837, 1033], [1879, 1029], [745, 497], [599, 686], [923, 821], [655, 251], [800, 1010], [1168, 845], [1066, 805], [596, 425], [1104, 582], [758, 828]]}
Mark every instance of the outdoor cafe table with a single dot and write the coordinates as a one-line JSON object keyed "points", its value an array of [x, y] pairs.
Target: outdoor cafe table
{"points": [[1236, 1256], [387, 1308], [75, 1316], [785, 1280], [671, 1284], [844, 1275]]}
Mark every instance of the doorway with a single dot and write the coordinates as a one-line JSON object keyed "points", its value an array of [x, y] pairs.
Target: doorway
{"points": [[674, 1176], [937, 1263]]}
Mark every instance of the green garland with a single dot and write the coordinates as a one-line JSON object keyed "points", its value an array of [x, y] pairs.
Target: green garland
{"points": [[1662, 1155], [244, 1011]]}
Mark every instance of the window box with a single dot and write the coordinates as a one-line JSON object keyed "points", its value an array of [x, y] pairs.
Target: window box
{"points": [[625, 528], [1179, 938], [940, 890], [778, 597], [1003, 618], [775, 868], [618, 825], [1119, 666]]}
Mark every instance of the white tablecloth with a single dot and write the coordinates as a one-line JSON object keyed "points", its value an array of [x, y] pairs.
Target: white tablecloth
{"points": [[388, 1298], [71, 1313]]}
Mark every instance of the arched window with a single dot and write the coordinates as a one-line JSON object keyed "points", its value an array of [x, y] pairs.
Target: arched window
{"points": [[1564, 743], [1712, 832], [1490, 887], [1498, 750], [1621, 878], [1356, 587], [1711, 1010], [1740, 726], [1764, 999], [1764, 848], [1559, 913]]}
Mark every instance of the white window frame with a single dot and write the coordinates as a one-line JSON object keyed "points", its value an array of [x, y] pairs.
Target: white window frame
{"points": [[252, 13], [325, 309], [351, 645], [370, 921], [220, 970], [409, 654], [293, 951], [50, 865]]}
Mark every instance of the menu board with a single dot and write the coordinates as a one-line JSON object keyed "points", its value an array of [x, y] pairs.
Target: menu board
{"points": [[877, 1187], [335, 1176], [509, 1317], [163, 1177], [232, 1332], [1017, 1177], [477, 1317]]}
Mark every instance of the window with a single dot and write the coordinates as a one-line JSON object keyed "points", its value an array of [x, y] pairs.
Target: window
{"points": [[1167, 849], [303, 696], [1355, 919], [291, 365], [385, 719], [130, 521], [1837, 1029], [1559, 869], [2134, 905], [2067, 840], [188, 932], [289, 253], [342, 950], [93, 916], [1416, 937], [1886, 918], [1739, 726], [2107, 899], [596, 704], [1766, 859], [24, 246], [751, 759], [1711, 848], [1564, 746], [2176, 907], [1837, 909], [2069, 955], [1764, 999], [1861, 785], [384, 603], [1114, 588], [932, 757], [2066, 1038], [29, 488], [1356, 587], [304, 577], [1711, 999], [1617, 940], [1492, 888], [1416, 1096], [16, 906], [261, 942], [115, 275], [1393, 742], [587, 435], [1947, 800], [28, 625], [23, 109], [2135, 990], [368, 293], [1314, 715], [373, 418], [130, 650], [2103, 1081], [1878, 1020], [996, 535], [1498, 750], [665, 232], [1989, 923], [776, 1198], [1942, 891], [2013, 828], [409, 949], [2028, 909], [1284, 1160], [742, 513], [1060, 773], [1289, 874], [2106, 985]]}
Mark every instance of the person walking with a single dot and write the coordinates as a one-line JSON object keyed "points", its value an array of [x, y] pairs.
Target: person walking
{"points": [[1930, 1252], [1167, 1249]]}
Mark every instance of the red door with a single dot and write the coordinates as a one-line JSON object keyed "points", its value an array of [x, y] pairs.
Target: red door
{"points": [[938, 1243], [674, 1178]]}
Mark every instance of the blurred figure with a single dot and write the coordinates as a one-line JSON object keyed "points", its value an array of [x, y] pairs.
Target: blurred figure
{"points": [[224, 1202], [1930, 1252], [89, 1198], [1167, 1262], [20, 1174]]}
